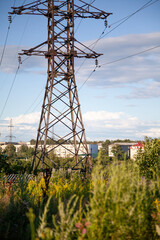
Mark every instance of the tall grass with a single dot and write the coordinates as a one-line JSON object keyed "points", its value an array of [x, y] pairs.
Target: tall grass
{"points": [[121, 208], [115, 202]]}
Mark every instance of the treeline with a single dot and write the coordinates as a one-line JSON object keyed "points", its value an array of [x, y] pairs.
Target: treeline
{"points": [[16, 162]]}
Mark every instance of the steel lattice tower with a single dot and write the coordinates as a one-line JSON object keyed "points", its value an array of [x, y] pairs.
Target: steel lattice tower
{"points": [[10, 136], [61, 118]]}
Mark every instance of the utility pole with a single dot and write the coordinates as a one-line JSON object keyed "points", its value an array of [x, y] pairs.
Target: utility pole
{"points": [[10, 136], [61, 108]]}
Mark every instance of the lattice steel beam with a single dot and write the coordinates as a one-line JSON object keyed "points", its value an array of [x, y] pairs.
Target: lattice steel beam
{"points": [[61, 118]]}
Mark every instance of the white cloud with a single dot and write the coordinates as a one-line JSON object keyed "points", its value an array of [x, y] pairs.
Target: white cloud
{"points": [[30, 118], [113, 125], [151, 132], [152, 90], [126, 73], [33, 64], [101, 116], [99, 125]]}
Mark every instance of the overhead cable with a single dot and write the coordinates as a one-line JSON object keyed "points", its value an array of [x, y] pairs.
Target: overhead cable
{"points": [[123, 20], [149, 3], [129, 56], [4, 47], [10, 91], [118, 60]]}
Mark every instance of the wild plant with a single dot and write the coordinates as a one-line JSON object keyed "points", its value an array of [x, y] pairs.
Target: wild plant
{"points": [[120, 208], [65, 226]]}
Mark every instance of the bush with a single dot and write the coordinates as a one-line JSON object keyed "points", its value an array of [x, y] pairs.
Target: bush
{"points": [[148, 159]]}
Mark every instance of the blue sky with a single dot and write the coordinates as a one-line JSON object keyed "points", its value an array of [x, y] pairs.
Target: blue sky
{"points": [[119, 100]]}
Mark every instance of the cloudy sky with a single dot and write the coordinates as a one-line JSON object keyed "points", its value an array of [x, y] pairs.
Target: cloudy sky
{"points": [[120, 99]]}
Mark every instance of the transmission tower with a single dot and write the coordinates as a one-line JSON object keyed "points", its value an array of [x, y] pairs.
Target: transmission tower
{"points": [[10, 136], [61, 118]]}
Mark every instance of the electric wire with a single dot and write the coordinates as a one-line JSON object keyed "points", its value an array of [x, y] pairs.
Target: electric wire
{"points": [[126, 18], [123, 20], [118, 60], [17, 72], [5, 43], [10, 91], [129, 56], [88, 78], [91, 2], [14, 3]]}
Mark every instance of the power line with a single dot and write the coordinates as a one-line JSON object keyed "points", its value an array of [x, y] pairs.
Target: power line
{"points": [[34, 102], [14, 3], [143, 7], [103, 35], [118, 60], [19, 66], [91, 2], [132, 55], [10, 91], [149, 3], [5, 43], [88, 77], [123, 20], [10, 21]]}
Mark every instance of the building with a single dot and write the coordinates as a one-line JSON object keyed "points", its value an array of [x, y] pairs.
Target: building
{"points": [[93, 150], [124, 145], [59, 150], [134, 150]]}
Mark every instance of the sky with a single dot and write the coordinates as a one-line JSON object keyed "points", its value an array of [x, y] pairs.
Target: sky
{"points": [[119, 100]]}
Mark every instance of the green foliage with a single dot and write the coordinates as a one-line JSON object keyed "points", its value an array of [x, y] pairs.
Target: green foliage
{"points": [[50, 142], [31, 218], [117, 151], [25, 152], [65, 227], [121, 207], [4, 166], [148, 159], [10, 150], [114, 202], [103, 153], [32, 141], [12, 162]]}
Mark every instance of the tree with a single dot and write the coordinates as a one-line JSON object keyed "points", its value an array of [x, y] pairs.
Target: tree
{"points": [[117, 151], [4, 166], [50, 142], [25, 152], [0, 150], [10, 150], [23, 148], [32, 141], [148, 158], [103, 152]]}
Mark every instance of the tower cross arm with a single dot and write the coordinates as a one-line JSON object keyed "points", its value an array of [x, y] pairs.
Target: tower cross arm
{"points": [[83, 10], [89, 11], [33, 8]]}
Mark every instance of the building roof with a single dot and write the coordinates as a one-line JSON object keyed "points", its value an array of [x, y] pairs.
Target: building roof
{"points": [[137, 145], [123, 143]]}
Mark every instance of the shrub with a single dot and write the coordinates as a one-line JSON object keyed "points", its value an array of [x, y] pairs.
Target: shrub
{"points": [[148, 159]]}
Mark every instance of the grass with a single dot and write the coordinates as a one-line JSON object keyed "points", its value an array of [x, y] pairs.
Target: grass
{"points": [[115, 202]]}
